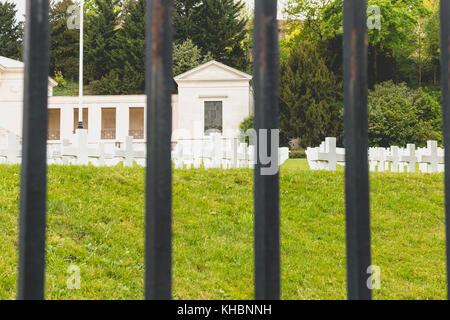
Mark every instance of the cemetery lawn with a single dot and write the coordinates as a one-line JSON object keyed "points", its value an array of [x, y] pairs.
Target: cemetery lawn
{"points": [[95, 221]]}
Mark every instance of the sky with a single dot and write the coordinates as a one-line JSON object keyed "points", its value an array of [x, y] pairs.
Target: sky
{"points": [[280, 6], [21, 7]]}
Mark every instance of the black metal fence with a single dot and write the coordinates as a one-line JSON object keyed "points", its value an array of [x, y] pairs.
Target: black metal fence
{"points": [[158, 253]]}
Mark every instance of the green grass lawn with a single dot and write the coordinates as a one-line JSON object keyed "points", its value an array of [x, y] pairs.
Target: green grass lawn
{"points": [[71, 89], [96, 221]]}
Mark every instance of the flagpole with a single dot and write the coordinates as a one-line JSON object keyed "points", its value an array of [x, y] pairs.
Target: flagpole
{"points": [[80, 85]]}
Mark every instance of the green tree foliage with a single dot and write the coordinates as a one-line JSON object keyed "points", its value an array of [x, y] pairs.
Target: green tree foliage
{"points": [[247, 124], [186, 56], [11, 31], [100, 33], [185, 15], [64, 43], [432, 43], [393, 49], [309, 98], [215, 26], [399, 115], [128, 74], [115, 40]]}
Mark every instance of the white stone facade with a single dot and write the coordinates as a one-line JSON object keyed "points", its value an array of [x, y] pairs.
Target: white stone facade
{"points": [[212, 94]]}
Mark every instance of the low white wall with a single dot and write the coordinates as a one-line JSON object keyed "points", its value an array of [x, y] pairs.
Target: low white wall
{"points": [[11, 114]]}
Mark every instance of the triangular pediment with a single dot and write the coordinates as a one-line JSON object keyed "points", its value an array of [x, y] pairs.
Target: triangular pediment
{"points": [[6, 63], [213, 71], [10, 65]]}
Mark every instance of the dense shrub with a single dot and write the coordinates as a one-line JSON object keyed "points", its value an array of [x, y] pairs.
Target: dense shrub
{"points": [[399, 115], [247, 124], [297, 154], [310, 95]]}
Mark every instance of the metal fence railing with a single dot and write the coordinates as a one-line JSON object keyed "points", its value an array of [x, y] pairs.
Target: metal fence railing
{"points": [[445, 82], [356, 138], [266, 189], [158, 212]]}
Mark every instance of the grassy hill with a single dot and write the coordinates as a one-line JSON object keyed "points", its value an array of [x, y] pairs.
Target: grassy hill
{"points": [[95, 221]]}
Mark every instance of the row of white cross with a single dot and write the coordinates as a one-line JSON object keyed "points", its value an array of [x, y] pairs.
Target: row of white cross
{"points": [[209, 153], [394, 159], [213, 153], [79, 152]]}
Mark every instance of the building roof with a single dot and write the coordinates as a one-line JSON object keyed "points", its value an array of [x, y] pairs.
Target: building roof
{"points": [[213, 70], [8, 63]]}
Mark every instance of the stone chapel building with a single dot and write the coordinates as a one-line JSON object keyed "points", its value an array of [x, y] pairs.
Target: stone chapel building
{"points": [[211, 97]]}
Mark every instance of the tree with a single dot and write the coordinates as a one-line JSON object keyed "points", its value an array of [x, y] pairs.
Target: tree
{"points": [[399, 115], [64, 42], [129, 46], [307, 19], [184, 17], [102, 27], [247, 124], [128, 73], [390, 47], [432, 43], [186, 56], [11, 31], [309, 98], [195, 20]]}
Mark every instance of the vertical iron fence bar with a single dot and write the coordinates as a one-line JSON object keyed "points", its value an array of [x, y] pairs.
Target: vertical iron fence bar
{"points": [[445, 73], [33, 186], [266, 187], [158, 231], [356, 144]]}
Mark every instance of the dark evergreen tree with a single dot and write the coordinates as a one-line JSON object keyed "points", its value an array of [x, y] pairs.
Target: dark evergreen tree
{"points": [[11, 31], [399, 115], [215, 26], [64, 45], [184, 18], [432, 45], [101, 29], [128, 73], [129, 45], [187, 56], [309, 98]]}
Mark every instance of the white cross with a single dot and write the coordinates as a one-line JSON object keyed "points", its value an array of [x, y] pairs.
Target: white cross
{"points": [[312, 155], [283, 155], [81, 152], [432, 158], [197, 153], [394, 158], [187, 154], [177, 156], [82, 148], [251, 156], [12, 152], [128, 154], [373, 159], [207, 153], [100, 155], [68, 151], [243, 155], [234, 153], [330, 155], [217, 150], [410, 157]]}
